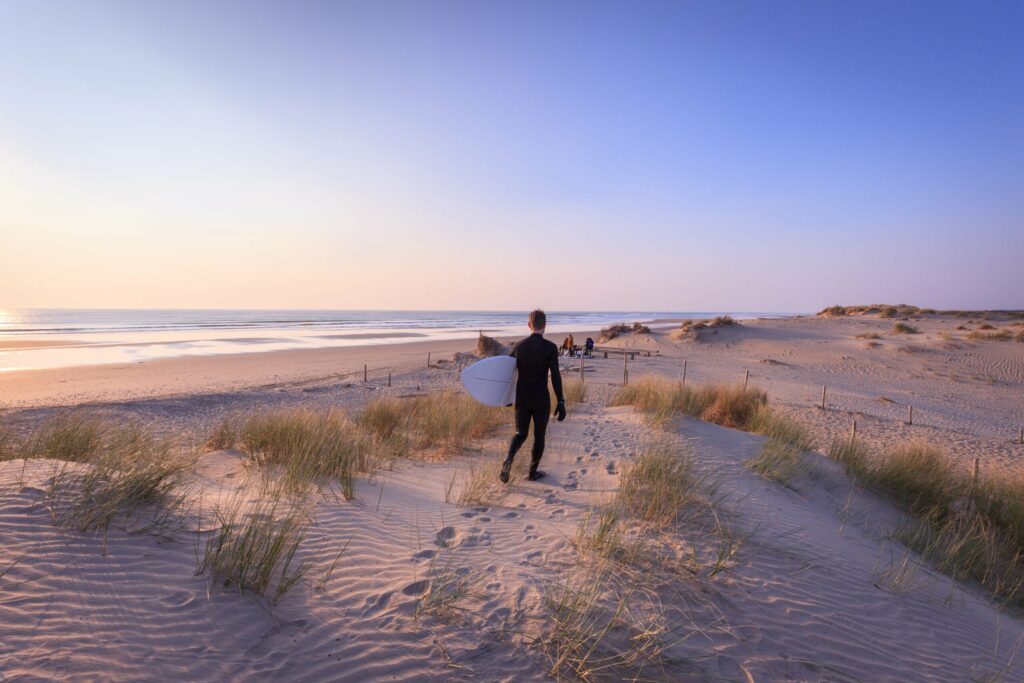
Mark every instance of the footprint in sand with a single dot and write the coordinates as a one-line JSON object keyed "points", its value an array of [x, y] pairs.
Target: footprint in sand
{"points": [[416, 587], [510, 515], [427, 554], [444, 536], [557, 513], [611, 468]]}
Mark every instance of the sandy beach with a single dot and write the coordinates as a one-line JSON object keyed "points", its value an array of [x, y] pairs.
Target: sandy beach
{"points": [[816, 590]]}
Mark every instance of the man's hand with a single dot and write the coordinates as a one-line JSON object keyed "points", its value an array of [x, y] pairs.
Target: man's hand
{"points": [[560, 411]]}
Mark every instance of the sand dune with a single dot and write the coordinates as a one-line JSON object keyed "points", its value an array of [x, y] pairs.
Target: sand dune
{"points": [[816, 591]]}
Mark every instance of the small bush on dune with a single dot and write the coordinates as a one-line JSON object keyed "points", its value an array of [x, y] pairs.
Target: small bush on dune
{"points": [[833, 311], [888, 312], [489, 346], [619, 329], [903, 328], [1001, 335]]}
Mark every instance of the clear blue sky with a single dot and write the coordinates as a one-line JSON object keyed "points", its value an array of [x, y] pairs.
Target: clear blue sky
{"points": [[673, 156]]}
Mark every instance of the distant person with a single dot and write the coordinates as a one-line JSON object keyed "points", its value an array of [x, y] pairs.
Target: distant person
{"points": [[565, 345], [535, 357], [572, 346], [589, 346]]}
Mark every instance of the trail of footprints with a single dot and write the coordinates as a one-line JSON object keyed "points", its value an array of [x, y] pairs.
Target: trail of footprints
{"points": [[479, 536]]}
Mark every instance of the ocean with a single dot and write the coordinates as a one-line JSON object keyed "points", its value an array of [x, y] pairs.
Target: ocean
{"points": [[45, 338]]}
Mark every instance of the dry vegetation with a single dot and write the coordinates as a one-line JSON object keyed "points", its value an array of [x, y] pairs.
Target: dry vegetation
{"points": [[903, 328], [103, 471], [489, 346], [620, 329], [608, 621], [255, 544], [906, 311], [998, 335], [662, 399], [693, 329], [971, 530], [316, 446]]}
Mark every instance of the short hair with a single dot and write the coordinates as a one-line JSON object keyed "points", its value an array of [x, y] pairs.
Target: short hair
{"points": [[538, 320]]}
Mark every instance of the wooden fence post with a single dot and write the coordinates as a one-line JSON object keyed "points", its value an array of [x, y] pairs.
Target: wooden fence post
{"points": [[625, 371], [389, 378], [364, 373], [910, 414], [428, 359], [581, 368], [746, 376], [684, 372], [823, 398], [853, 432]]}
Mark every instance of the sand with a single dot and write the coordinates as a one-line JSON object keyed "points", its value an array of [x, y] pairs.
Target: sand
{"points": [[816, 592]]}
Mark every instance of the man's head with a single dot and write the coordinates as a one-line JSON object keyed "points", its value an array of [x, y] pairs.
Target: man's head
{"points": [[538, 321]]}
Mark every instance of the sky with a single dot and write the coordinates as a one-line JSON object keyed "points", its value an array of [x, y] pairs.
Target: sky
{"points": [[721, 155]]}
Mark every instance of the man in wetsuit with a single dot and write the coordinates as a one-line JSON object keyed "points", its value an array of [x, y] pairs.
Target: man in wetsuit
{"points": [[535, 357]]}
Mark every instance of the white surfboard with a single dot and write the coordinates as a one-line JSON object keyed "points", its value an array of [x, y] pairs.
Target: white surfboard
{"points": [[492, 381]]}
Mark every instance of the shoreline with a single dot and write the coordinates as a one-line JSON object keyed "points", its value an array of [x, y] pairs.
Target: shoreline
{"points": [[224, 372]]}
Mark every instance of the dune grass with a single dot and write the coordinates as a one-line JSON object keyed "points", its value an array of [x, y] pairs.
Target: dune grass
{"points": [[903, 328], [574, 390], [657, 487], [1000, 335], [661, 399], [132, 471], [448, 583], [308, 447], [781, 456], [255, 545], [104, 470], [446, 420], [605, 626], [480, 484], [971, 530], [72, 437]]}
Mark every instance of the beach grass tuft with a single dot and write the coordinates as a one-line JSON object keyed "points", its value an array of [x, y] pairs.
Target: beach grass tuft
{"points": [[658, 485], [661, 399], [308, 447], [903, 328], [255, 545], [105, 470], [970, 529]]}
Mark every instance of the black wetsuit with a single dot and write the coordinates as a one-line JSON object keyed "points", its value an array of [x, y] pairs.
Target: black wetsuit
{"points": [[535, 357]]}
